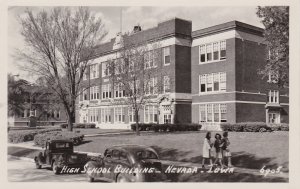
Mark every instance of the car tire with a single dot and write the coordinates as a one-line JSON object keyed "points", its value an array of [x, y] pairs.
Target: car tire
{"points": [[121, 178], [55, 168]]}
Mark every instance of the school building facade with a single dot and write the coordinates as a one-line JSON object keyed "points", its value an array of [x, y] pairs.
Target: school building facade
{"points": [[214, 74]]}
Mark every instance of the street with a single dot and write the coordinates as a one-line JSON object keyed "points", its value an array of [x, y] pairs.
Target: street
{"points": [[25, 171]]}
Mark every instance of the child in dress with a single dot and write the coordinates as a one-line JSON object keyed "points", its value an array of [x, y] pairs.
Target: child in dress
{"points": [[225, 149], [218, 147], [207, 149]]}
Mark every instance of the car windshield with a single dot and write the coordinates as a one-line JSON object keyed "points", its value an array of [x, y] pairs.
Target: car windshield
{"points": [[146, 155], [62, 145]]}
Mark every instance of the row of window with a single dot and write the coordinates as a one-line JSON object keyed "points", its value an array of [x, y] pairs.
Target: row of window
{"points": [[103, 115], [149, 62], [214, 51], [214, 113], [213, 82], [119, 92]]}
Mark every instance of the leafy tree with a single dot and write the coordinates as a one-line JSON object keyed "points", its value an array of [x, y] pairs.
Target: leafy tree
{"points": [[16, 95], [135, 73], [276, 22], [60, 43]]}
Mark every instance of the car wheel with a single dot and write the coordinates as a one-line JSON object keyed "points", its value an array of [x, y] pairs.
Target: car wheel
{"points": [[55, 168], [121, 178]]}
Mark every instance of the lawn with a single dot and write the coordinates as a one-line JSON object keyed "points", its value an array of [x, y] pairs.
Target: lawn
{"points": [[249, 150]]}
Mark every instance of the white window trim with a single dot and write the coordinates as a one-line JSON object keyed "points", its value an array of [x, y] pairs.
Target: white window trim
{"points": [[166, 64], [165, 85], [213, 113], [213, 91], [212, 51]]}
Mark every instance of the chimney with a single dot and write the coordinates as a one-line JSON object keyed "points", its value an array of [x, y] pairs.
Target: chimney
{"points": [[137, 29]]}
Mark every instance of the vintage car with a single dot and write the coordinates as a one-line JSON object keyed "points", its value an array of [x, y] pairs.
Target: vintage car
{"points": [[126, 163], [60, 154]]}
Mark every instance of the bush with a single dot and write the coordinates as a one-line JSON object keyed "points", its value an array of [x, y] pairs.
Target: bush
{"points": [[167, 127], [18, 136], [280, 127], [79, 125], [246, 127], [41, 139]]}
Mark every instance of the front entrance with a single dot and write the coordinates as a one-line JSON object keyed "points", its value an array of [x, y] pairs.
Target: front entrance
{"points": [[274, 117], [167, 118]]}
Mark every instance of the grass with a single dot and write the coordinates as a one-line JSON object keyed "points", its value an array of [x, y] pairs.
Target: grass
{"points": [[249, 150]]}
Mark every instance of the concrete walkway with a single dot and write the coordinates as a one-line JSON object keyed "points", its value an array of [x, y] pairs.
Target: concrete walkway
{"points": [[256, 172]]}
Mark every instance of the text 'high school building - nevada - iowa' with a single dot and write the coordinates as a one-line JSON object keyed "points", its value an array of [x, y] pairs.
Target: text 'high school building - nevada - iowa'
{"points": [[215, 74]]}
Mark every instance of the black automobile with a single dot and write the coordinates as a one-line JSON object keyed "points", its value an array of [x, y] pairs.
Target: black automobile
{"points": [[126, 163], [59, 154]]}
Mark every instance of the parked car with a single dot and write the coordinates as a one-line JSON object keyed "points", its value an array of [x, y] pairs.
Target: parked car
{"points": [[60, 153], [126, 163]]}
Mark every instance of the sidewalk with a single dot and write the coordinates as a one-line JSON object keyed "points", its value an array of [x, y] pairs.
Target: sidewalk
{"points": [[30, 145]]}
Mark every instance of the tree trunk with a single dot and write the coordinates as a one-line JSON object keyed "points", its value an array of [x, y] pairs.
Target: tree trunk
{"points": [[71, 120], [137, 128]]}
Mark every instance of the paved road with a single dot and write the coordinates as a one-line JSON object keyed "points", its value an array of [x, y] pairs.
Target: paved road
{"points": [[25, 171]]}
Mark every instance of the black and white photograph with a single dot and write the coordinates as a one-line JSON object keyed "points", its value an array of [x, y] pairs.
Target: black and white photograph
{"points": [[149, 93]]}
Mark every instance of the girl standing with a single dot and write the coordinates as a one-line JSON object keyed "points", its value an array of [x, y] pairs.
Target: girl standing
{"points": [[218, 146], [207, 149]]}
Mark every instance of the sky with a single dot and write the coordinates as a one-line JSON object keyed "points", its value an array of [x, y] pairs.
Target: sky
{"points": [[146, 17]]}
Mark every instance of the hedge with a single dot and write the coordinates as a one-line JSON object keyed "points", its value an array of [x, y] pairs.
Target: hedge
{"points": [[166, 127], [253, 127], [40, 139], [79, 125], [280, 127], [18, 136]]}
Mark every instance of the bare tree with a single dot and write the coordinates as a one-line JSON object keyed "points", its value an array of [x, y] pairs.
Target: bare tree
{"points": [[60, 45], [135, 75]]}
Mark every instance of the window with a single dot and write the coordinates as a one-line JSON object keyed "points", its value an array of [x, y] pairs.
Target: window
{"points": [[85, 73], [150, 114], [85, 95], [214, 82], [167, 84], [213, 113], [57, 114], [93, 115], [119, 115], [131, 115], [119, 91], [167, 58], [216, 50], [273, 77], [105, 115], [222, 50], [273, 96], [208, 53], [94, 73], [212, 51], [105, 69], [137, 85], [148, 61], [94, 93], [106, 91], [274, 117], [151, 86], [202, 53]]}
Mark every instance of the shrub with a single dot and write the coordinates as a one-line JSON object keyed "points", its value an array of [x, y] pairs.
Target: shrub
{"points": [[280, 127], [167, 127], [79, 125], [41, 139], [245, 127], [18, 136]]}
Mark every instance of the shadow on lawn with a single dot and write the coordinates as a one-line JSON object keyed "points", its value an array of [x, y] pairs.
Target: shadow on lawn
{"points": [[239, 159]]}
